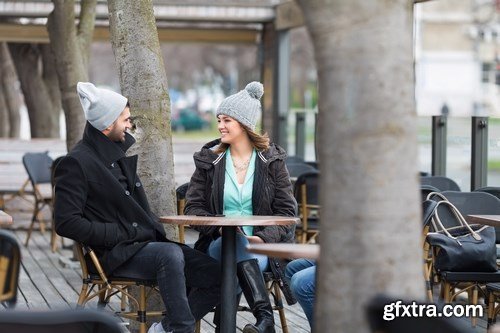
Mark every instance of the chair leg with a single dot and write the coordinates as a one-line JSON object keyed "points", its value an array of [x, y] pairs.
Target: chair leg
{"points": [[83, 295], [30, 229], [491, 308], [53, 238], [474, 302], [141, 311], [281, 309]]}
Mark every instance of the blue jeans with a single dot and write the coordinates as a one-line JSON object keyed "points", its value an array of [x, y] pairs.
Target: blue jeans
{"points": [[214, 250], [177, 267], [302, 276]]}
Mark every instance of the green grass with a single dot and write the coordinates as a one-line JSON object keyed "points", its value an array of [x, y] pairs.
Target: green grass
{"points": [[494, 165]]}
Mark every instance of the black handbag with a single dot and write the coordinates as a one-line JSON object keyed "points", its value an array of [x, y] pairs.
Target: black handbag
{"points": [[464, 248]]}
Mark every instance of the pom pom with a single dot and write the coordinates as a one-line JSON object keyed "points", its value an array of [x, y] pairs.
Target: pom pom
{"points": [[255, 89]]}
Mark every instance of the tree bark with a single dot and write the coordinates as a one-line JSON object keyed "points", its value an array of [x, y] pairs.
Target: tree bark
{"points": [[27, 60], [70, 46], [50, 79], [144, 82], [4, 116], [10, 90], [370, 232]]}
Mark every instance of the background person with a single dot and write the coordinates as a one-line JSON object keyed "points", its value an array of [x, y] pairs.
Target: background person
{"points": [[302, 276]]}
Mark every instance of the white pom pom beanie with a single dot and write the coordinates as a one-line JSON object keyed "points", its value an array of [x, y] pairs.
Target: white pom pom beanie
{"points": [[101, 106], [244, 106]]}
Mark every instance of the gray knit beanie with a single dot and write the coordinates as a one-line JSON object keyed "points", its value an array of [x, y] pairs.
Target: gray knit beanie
{"points": [[101, 106], [244, 106]]}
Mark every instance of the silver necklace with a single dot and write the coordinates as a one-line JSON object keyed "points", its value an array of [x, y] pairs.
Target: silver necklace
{"points": [[239, 167]]}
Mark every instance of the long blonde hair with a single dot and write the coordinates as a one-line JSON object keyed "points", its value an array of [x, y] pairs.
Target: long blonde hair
{"points": [[259, 141]]}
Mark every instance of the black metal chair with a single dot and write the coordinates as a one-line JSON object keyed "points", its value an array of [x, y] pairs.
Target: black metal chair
{"points": [[74, 321], [294, 159], [495, 191], [440, 182], [10, 263], [381, 321], [306, 192], [38, 166]]}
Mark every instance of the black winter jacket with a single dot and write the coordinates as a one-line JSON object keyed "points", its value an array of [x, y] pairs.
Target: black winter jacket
{"points": [[92, 207], [272, 195]]}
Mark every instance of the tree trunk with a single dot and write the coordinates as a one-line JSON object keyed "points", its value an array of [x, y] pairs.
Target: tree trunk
{"points": [[50, 79], [4, 116], [70, 47], [27, 60], [370, 232], [10, 90], [143, 80]]}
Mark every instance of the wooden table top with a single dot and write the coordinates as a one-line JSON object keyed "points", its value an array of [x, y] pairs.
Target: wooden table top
{"points": [[229, 220], [5, 218], [493, 220], [282, 250]]}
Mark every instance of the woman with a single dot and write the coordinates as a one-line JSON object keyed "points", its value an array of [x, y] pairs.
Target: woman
{"points": [[243, 174]]}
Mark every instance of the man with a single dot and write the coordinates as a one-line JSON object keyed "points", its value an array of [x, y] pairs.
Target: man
{"points": [[100, 202]]}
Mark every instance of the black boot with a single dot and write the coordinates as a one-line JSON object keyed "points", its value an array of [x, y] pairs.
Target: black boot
{"points": [[254, 289]]}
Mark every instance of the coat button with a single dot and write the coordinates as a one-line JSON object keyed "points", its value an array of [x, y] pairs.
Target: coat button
{"points": [[135, 243], [137, 184], [112, 165], [134, 224], [127, 193]]}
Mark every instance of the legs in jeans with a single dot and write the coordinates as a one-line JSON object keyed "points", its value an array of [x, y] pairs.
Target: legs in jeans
{"points": [[176, 267], [214, 250], [302, 276]]}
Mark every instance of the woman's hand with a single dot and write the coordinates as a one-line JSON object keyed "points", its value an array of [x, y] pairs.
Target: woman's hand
{"points": [[254, 239]]}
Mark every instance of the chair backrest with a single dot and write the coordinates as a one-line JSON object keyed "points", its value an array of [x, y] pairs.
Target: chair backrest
{"points": [[308, 181], [296, 169], [74, 321], [38, 166], [10, 262], [490, 189], [475, 203], [294, 159], [425, 190], [440, 182]]}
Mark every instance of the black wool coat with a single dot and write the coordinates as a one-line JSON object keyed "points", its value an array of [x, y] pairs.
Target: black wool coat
{"points": [[93, 207]]}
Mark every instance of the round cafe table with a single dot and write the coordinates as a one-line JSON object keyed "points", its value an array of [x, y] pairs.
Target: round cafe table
{"points": [[229, 224]]}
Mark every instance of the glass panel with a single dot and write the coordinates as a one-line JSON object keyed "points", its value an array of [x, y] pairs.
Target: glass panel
{"points": [[458, 163], [424, 136], [493, 152]]}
